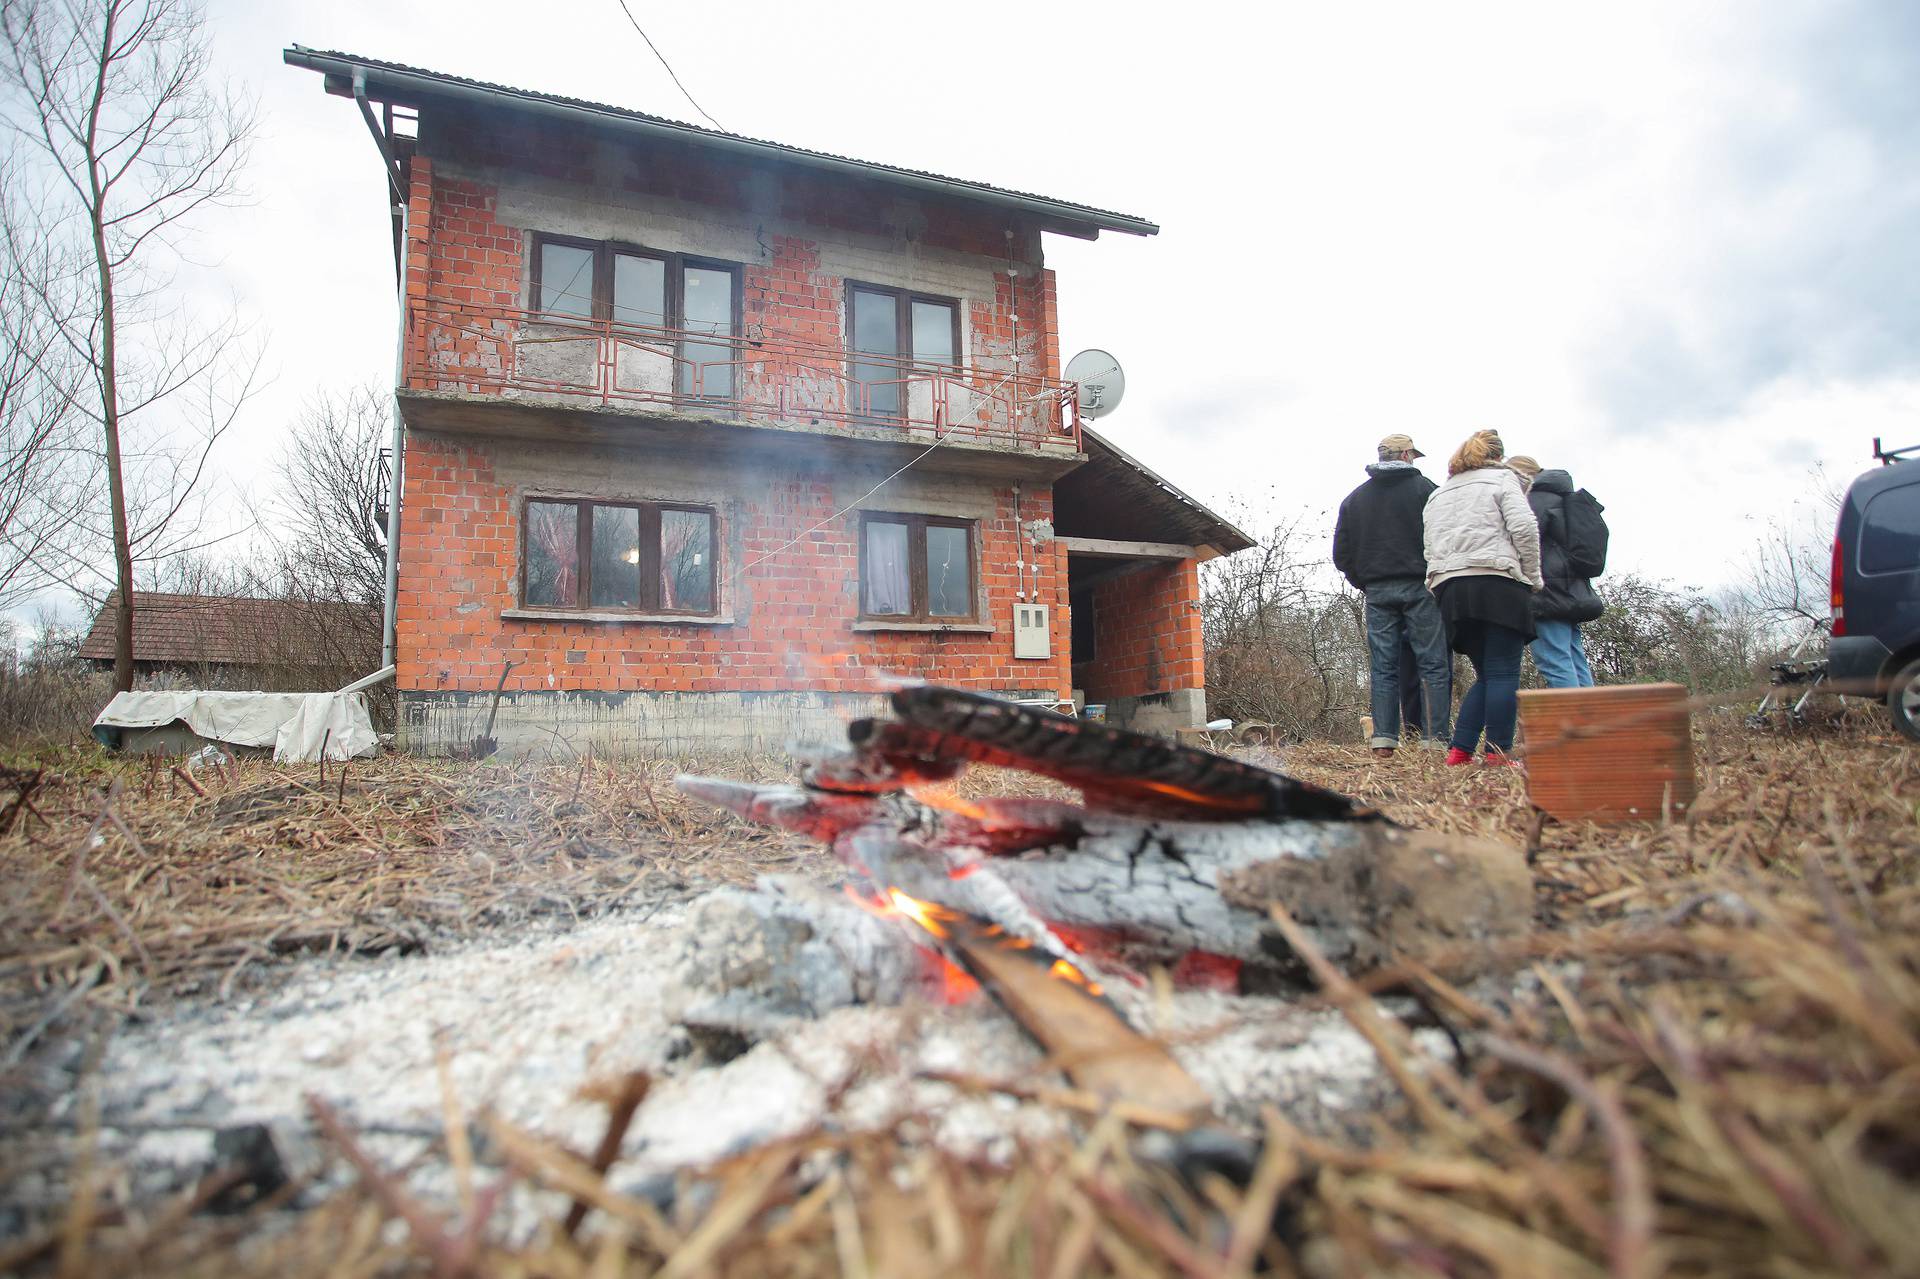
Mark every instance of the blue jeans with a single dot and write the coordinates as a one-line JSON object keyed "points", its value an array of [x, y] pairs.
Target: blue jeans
{"points": [[1493, 702], [1403, 606], [1560, 655]]}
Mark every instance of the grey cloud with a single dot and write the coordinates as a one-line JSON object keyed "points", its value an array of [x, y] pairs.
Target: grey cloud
{"points": [[1827, 293]]}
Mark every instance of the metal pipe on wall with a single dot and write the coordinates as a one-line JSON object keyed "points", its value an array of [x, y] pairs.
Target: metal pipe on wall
{"points": [[390, 606]]}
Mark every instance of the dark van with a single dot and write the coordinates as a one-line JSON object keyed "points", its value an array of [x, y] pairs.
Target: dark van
{"points": [[1875, 646]]}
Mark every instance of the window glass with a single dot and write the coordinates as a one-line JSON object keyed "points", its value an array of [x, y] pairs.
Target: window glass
{"points": [[884, 570], [686, 560], [876, 331], [616, 557], [566, 280], [553, 554], [706, 306], [1890, 531], [639, 290], [949, 594], [933, 333]]}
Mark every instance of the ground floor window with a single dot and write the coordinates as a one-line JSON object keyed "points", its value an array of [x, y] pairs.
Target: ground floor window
{"points": [[647, 557], [916, 567]]}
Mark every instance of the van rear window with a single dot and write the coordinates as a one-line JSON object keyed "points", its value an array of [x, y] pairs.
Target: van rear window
{"points": [[1890, 531]]}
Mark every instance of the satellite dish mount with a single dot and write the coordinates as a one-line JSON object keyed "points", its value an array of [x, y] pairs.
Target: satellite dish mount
{"points": [[1100, 381]]}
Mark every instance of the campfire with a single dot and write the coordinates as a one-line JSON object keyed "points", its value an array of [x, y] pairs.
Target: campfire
{"points": [[1170, 863]]}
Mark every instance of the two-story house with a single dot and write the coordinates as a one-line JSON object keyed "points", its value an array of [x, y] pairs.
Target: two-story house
{"points": [[698, 434]]}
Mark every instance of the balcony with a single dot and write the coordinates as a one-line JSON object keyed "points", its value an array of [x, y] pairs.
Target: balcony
{"points": [[480, 354]]}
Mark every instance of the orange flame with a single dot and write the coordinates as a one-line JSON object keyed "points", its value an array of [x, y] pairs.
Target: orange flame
{"points": [[1062, 969], [945, 800], [956, 984], [1239, 804]]}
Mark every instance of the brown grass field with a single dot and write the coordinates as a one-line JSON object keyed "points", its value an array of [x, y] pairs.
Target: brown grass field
{"points": [[1706, 1060]]}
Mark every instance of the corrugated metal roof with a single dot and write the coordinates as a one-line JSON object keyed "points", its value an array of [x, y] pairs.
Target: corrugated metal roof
{"points": [[217, 630], [420, 80]]}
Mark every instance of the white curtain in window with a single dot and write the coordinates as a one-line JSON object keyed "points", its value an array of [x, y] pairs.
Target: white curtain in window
{"points": [[889, 590]]}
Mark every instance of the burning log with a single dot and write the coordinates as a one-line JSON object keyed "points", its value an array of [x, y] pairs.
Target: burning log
{"points": [[1175, 850], [1175, 853]]}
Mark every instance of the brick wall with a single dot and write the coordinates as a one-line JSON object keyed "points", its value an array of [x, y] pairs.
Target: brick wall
{"points": [[464, 251], [1146, 634], [794, 613], [478, 191]]}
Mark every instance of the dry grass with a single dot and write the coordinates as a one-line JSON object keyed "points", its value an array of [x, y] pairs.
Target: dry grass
{"points": [[126, 884], [1706, 1062]]}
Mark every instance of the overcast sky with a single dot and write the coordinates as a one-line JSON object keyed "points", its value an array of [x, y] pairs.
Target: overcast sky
{"points": [[1671, 247]]}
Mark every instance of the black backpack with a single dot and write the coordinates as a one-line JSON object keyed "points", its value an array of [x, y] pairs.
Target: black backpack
{"points": [[1586, 535]]}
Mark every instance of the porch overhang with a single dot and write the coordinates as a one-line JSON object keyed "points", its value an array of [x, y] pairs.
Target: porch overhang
{"points": [[1114, 506]]}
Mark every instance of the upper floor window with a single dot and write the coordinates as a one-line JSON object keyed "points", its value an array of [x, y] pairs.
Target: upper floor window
{"points": [[643, 288], [646, 557], [916, 567], [903, 328]]}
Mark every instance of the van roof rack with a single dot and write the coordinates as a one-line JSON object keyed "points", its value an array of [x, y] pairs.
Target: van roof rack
{"points": [[1887, 457]]}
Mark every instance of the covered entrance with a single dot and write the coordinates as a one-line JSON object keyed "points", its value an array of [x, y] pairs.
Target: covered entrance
{"points": [[1134, 545]]}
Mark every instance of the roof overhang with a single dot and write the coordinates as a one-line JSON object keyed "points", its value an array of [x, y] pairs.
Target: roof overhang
{"points": [[1115, 498], [414, 87]]}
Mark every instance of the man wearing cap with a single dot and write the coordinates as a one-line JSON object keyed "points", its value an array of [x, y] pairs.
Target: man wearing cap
{"points": [[1379, 545]]}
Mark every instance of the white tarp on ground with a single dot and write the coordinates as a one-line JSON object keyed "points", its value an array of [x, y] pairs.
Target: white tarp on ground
{"points": [[294, 724]]}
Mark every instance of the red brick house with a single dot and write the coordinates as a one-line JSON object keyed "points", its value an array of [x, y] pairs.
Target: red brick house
{"points": [[703, 432]]}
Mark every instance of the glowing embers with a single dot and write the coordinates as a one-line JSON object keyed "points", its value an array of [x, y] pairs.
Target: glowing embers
{"points": [[954, 983], [941, 923], [943, 798]]}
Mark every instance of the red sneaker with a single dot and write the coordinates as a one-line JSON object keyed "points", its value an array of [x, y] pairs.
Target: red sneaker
{"points": [[1500, 759], [1456, 757]]}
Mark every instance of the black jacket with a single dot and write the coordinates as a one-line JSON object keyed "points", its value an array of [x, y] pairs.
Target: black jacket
{"points": [[1380, 533], [1566, 598]]}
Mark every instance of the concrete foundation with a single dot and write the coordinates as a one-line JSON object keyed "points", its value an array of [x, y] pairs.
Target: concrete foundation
{"points": [[565, 724], [1161, 713]]}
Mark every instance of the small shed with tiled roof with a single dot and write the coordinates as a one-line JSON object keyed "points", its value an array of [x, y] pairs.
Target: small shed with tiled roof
{"points": [[244, 639]]}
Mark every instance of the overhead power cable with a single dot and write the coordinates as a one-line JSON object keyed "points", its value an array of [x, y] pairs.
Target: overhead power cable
{"points": [[669, 66]]}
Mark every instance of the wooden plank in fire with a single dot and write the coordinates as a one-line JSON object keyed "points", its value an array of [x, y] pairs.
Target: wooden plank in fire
{"points": [[1082, 1031]]}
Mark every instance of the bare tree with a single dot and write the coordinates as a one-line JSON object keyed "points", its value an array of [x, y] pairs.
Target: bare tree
{"points": [[326, 520], [115, 99], [1285, 642], [41, 482], [1788, 566]]}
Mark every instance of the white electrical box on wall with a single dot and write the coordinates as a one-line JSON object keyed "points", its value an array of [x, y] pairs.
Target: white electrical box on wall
{"points": [[1032, 636]]}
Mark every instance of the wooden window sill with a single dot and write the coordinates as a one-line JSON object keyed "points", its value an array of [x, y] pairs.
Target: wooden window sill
{"points": [[958, 628], [595, 615]]}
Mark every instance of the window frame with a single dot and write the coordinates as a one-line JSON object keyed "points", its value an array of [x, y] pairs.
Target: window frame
{"points": [[604, 251], [649, 565], [903, 300], [917, 526]]}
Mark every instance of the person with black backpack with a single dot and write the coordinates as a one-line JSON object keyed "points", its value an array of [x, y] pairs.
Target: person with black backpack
{"points": [[1573, 551]]}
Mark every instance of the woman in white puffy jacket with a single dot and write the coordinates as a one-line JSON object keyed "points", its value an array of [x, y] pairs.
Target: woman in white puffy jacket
{"points": [[1483, 565]]}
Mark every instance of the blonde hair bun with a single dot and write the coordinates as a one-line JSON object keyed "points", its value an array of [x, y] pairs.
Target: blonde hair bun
{"points": [[1481, 450]]}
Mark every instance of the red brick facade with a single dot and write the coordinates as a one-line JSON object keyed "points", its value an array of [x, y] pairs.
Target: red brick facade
{"points": [[1146, 634], [794, 612], [787, 614]]}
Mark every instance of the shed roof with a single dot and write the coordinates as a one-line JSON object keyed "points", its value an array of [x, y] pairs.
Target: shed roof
{"points": [[217, 630], [1116, 496], [406, 85]]}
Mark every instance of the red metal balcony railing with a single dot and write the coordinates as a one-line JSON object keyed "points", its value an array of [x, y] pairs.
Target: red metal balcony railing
{"points": [[522, 355]]}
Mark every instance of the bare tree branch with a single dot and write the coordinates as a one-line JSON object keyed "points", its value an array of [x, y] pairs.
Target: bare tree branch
{"points": [[116, 102]]}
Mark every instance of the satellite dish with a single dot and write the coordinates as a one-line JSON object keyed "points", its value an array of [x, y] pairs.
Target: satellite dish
{"points": [[1101, 382]]}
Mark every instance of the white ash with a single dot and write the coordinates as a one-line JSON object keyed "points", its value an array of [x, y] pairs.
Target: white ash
{"points": [[526, 1023]]}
